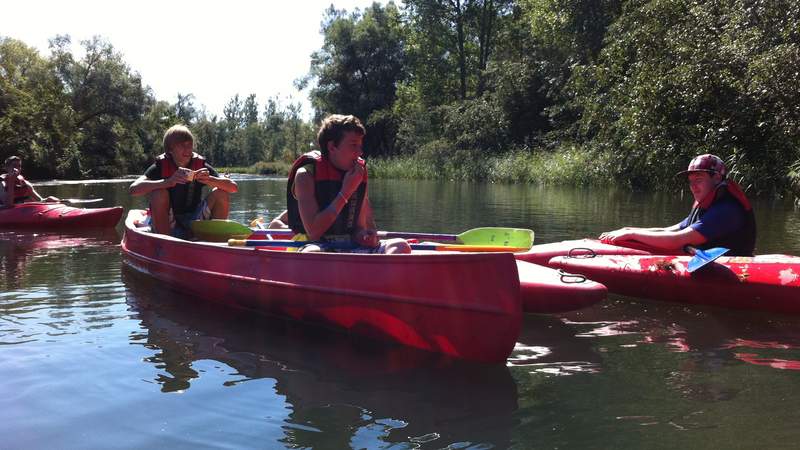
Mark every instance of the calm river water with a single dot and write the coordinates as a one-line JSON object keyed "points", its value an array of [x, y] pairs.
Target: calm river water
{"points": [[93, 355]]}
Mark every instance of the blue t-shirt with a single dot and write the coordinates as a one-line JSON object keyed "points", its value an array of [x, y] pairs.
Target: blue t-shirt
{"points": [[721, 219]]}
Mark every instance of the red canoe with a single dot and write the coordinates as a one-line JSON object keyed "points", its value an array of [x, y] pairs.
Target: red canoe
{"points": [[544, 290], [465, 305], [58, 216], [765, 282]]}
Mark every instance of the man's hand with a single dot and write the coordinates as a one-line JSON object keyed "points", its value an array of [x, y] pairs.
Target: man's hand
{"points": [[610, 236], [181, 176], [202, 176], [352, 179], [366, 238]]}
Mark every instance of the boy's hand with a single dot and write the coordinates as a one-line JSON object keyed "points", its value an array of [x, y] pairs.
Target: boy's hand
{"points": [[366, 238]]}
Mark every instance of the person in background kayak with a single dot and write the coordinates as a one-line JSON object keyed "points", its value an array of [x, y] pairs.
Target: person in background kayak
{"points": [[17, 189], [175, 185], [326, 195], [720, 217]]}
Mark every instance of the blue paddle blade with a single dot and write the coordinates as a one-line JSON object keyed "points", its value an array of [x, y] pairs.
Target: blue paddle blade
{"points": [[703, 257]]}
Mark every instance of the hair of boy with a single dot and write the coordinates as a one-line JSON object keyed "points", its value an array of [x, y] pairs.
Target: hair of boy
{"points": [[334, 127], [177, 134], [11, 159]]}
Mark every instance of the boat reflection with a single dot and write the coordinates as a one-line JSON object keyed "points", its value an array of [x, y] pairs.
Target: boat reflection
{"points": [[435, 400], [760, 338], [18, 249], [550, 345]]}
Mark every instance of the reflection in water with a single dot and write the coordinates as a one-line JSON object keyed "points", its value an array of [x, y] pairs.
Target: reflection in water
{"points": [[341, 392], [55, 284], [553, 347], [712, 335]]}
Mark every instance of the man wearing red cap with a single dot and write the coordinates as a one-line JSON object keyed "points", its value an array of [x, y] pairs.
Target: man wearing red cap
{"points": [[721, 215]]}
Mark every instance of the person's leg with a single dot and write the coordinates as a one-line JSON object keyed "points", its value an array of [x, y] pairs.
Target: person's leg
{"points": [[218, 203], [159, 210], [396, 246]]}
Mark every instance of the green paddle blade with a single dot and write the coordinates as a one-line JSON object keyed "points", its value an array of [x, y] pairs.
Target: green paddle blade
{"points": [[505, 237], [217, 230]]}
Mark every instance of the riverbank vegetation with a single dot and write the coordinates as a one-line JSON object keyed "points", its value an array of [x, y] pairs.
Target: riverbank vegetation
{"points": [[541, 91]]}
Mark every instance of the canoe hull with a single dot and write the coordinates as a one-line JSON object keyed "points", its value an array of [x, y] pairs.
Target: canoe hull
{"points": [[765, 282], [463, 305], [58, 216]]}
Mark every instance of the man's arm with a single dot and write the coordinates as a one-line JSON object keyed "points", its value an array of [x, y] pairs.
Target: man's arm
{"points": [[668, 238], [367, 234], [4, 196], [145, 185], [315, 221], [222, 183]]}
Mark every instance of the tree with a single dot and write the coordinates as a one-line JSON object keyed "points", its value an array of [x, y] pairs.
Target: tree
{"points": [[358, 68]]}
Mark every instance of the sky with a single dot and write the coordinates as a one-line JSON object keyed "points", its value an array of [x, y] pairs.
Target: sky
{"points": [[212, 50]]}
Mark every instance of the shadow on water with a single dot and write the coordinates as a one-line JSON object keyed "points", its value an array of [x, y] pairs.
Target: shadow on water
{"points": [[414, 397]]}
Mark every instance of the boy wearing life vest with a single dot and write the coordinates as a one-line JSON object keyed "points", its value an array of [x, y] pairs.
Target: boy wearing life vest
{"points": [[175, 185], [15, 188], [720, 217], [327, 191]]}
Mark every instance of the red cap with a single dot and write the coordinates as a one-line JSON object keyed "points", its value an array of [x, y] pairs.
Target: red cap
{"points": [[706, 163]]}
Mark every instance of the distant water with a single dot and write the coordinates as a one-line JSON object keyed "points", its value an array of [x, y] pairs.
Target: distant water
{"points": [[94, 355]]}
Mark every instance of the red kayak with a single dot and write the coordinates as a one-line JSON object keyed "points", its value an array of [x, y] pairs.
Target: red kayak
{"points": [[542, 253], [465, 305], [39, 215], [545, 290], [765, 282]]}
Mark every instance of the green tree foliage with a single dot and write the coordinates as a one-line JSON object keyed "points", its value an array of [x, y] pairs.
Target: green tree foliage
{"points": [[678, 78], [358, 68]]}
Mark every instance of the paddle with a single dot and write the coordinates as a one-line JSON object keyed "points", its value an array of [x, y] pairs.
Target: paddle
{"points": [[219, 230], [702, 257], [350, 245], [76, 201], [496, 236]]}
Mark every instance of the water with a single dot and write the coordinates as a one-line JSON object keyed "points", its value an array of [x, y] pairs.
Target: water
{"points": [[94, 355]]}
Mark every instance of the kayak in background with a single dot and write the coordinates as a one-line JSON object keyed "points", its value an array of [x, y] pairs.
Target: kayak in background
{"points": [[542, 253], [764, 282], [465, 305], [41, 215]]}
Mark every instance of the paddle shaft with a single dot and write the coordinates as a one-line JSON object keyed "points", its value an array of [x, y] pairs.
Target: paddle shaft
{"points": [[382, 234], [350, 245]]}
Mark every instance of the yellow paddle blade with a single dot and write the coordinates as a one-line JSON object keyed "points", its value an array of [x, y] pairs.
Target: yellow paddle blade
{"points": [[218, 230], [498, 236]]}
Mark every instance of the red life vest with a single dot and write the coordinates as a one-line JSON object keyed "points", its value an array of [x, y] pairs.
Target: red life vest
{"points": [[327, 184], [167, 166], [22, 192]]}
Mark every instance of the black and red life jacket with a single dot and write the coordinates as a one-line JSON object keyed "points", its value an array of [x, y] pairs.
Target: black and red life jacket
{"points": [[327, 184], [167, 166], [742, 242], [193, 191], [22, 192]]}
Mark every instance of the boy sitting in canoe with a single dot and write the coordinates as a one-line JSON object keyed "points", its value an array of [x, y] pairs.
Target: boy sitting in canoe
{"points": [[175, 185], [720, 217], [327, 191], [17, 189]]}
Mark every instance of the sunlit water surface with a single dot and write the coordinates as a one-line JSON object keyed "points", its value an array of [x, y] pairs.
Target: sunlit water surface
{"points": [[94, 355]]}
